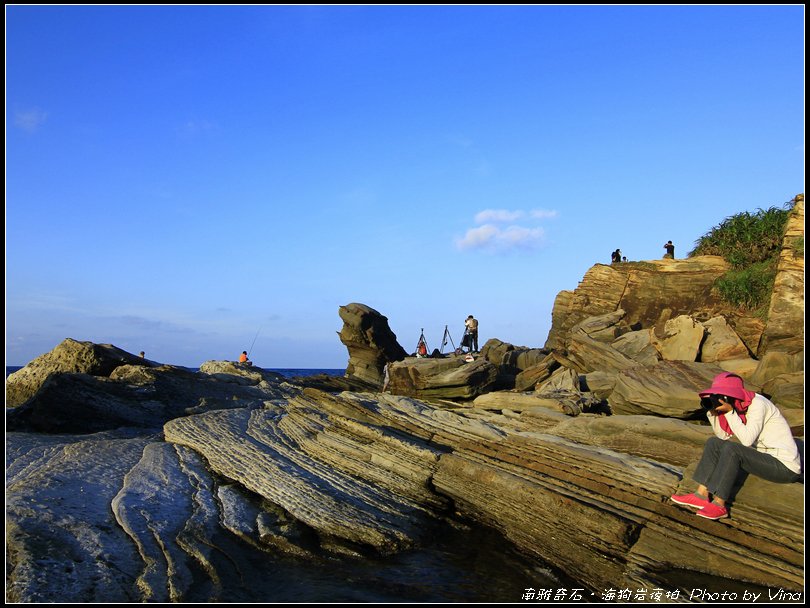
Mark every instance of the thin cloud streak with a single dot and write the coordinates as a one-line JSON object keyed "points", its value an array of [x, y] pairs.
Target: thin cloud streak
{"points": [[543, 214], [490, 216], [30, 120]]}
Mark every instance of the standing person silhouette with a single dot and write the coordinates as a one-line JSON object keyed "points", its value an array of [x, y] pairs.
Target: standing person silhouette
{"points": [[472, 329], [670, 250]]}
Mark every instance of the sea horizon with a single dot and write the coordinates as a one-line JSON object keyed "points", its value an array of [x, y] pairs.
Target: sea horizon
{"points": [[288, 372]]}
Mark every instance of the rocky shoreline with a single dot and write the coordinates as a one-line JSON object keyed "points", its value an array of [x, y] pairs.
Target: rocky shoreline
{"points": [[128, 480]]}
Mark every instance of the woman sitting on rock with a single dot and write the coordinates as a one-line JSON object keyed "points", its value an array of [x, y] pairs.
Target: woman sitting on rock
{"points": [[766, 446]]}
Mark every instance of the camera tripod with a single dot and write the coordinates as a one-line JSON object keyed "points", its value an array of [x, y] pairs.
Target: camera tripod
{"points": [[422, 346], [446, 337]]}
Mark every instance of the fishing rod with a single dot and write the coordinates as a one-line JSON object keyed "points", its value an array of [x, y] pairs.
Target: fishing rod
{"points": [[250, 350]]}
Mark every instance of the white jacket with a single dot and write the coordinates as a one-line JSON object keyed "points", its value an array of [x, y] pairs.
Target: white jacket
{"points": [[765, 429]]}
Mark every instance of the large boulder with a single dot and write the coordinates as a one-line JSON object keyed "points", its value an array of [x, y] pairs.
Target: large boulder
{"points": [[721, 342], [586, 355], [138, 396], [637, 345], [669, 388], [678, 339], [70, 356], [603, 328], [240, 373], [532, 375], [519, 367], [450, 377], [370, 342]]}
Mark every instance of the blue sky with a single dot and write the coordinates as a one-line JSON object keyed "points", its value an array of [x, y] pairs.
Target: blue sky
{"points": [[185, 180]]}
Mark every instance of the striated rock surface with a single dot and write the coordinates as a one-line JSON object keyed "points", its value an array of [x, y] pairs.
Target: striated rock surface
{"points": [[62, 541], [370, 342], [584, 354], [618, 523], [240, 373]]}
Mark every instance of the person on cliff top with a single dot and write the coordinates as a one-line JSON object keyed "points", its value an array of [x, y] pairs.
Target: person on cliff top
{"points": [[471, 325], [670, 250], [616, 256], [243, 358], [766, 446]]}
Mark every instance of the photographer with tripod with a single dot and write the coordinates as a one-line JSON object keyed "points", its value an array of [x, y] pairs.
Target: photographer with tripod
{"points": [[471, 334]]}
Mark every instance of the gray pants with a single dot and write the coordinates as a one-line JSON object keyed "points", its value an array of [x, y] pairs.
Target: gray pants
{"points": [[722, 462]]}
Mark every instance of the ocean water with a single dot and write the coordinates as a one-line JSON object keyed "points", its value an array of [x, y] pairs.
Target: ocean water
{"points": [[285, 371], [461, 563]]}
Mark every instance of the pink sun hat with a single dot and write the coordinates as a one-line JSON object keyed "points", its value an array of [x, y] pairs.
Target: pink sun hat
{"points": [[727, 384]]}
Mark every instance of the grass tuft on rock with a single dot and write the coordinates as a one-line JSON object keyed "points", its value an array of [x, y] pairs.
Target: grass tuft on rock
{"points": [[751, 243]]}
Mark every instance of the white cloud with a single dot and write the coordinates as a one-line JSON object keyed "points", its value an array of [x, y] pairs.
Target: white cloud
{"points": [[543, 214], [519, 236], [30, 120], [478, 237], [500, 216], [494, 239]]}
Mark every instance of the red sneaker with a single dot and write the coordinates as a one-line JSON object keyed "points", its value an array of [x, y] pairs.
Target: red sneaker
{"points": [[690, 500], [713, 511]]}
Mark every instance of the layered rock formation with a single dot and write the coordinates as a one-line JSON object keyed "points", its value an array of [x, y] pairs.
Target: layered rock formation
{"points": [[451, 377], [646, 335], [785, 329], [648, 292]]}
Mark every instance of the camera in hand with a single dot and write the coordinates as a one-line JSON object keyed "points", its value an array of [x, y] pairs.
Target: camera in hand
{"points": [[710, 402]]}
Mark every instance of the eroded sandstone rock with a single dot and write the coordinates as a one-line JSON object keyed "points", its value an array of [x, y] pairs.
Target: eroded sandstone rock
{"points": [[370, 342]]}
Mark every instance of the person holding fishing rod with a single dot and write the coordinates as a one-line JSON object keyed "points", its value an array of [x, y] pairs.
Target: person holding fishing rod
{"points": [[244, 358]]}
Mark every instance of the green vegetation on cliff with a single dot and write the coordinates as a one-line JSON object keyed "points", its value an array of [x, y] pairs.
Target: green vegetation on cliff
{"points": [[751, 243]]}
